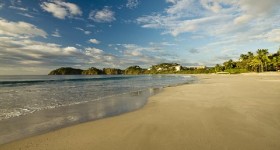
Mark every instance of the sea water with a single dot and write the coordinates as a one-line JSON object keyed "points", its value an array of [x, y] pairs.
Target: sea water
{"points": [[35, 104]]}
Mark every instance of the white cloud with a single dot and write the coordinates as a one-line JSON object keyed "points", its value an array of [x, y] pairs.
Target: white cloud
{"points": [[93, 51], [34, 57], [83, 30], [228, 26], [102, 16], [184, 16], [56, 10], [273, 35], [131, 4], [94, 41], [18, 29], [212, 17], [171, 1], [250, 9], [26, 49], [132, 50], [60, 9], [140, 55], [71, 50], [243, 19], [167, 44], [133, 53], [18, 8], [30, 62], [72, 8], [43, 57], [179, 6], [211, 5], [197, 24], [261, 7], [26, 15], [46, 53], [56, 33], [19, 53]]}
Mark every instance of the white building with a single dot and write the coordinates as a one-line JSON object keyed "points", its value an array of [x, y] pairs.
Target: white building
{"points": [[178, 68], [159, 69]]}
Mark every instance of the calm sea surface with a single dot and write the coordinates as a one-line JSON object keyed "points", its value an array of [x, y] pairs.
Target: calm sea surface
{"points": [[34, 104]]}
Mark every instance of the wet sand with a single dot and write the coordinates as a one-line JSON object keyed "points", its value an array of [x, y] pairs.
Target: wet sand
{"points": [[220, 112]]}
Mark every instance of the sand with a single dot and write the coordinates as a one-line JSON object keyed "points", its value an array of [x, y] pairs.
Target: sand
{"points": [[220, 112]]}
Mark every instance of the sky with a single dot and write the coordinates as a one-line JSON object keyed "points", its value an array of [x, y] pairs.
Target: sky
{"points": [[37, 36]]}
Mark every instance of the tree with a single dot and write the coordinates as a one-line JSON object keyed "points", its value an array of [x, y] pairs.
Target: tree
{"points": [[218, 68], [112, 71], [230, 64], [133, 70], [244, 57], [255, 65], [262, 56], [274, 63], [92, 71], [66, 71], [250, 55]]}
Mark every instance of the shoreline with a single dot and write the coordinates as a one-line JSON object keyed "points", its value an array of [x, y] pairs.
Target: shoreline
{"points": [[106, 107], [218, 112], [49, 120]]}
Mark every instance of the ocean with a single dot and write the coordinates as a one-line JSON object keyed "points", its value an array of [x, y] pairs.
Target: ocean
{"points": [[31, 105]]}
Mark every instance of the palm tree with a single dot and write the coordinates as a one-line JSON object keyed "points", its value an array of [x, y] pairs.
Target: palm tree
{"points": [[250, 55], [255, 65], [218, 68], [275, 61], [244, 57], [262, 56], [229, 64], [245, 60]]}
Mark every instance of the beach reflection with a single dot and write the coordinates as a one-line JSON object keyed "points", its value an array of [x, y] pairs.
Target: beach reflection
{"points": [[51, 119]]}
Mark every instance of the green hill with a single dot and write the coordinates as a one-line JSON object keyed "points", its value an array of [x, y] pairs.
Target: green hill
{"points": [[66, 71]]}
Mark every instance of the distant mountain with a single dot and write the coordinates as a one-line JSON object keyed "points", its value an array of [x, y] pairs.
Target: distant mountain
{"points": [[112, 71], [132, 70], [66, 71], [163, 68], [92, 71]]}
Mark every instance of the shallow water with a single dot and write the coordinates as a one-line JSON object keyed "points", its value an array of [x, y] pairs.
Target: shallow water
{"points": [[31, 105], [21, 95]]}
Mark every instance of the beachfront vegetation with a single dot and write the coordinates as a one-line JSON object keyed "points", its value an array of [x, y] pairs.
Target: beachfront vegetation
{"points": [[134, 70], [92, 71], [261, 61], [112, 71]]}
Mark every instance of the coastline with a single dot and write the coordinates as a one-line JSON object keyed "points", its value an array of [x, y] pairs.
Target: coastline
{"points": [[219, 112], [49, 120], [89, 108]]}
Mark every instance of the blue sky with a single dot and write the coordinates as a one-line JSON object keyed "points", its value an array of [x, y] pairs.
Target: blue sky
{"points": [[37, 36]]}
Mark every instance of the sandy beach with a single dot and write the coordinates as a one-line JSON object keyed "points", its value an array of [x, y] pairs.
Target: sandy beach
{"points": [[220, 112]]}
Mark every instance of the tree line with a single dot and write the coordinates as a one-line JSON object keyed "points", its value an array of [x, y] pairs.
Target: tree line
{"points": [[261, 61]]}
